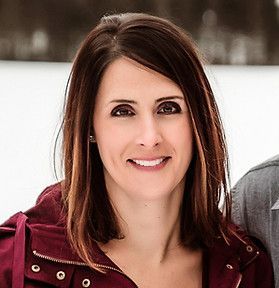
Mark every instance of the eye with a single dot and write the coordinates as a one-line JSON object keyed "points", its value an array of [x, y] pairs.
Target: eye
{"points": [[122, 111], [169, 108]]}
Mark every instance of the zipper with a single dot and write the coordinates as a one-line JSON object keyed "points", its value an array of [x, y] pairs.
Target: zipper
{"points": [[238, 281], [62, 261], [69, 262], [78, 263]]}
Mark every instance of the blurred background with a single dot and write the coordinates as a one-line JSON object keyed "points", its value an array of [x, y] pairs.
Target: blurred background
{"points": [[38, 41], [227, 31]]}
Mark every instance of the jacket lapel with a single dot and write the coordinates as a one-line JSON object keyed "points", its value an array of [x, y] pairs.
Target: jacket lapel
{"points": [[276, 205]]}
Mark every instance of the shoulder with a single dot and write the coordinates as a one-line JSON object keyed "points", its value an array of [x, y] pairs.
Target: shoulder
{"points": [[240, 258], [14, 233], [255, 264], [259, 186], [255, 195], [266, 172], [47, 210], [49, 207]]}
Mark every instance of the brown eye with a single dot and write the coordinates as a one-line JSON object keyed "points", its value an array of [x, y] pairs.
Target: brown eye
{"points": [[169, 108], [122, 111]]}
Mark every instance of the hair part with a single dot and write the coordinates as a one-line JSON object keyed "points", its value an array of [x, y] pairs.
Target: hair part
{"points": [[161, 46]]}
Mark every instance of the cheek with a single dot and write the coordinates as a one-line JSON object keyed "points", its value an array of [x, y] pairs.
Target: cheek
{"points": [[188, 139], [183, 142], [111, 143], [181, 135]]}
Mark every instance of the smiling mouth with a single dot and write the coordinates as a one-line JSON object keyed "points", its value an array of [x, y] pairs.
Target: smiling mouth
{"points": [[149, 163]]}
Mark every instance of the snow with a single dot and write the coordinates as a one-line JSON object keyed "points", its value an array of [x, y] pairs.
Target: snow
{"points": [[31, 102]]}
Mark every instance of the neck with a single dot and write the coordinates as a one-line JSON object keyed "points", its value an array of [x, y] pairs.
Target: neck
{"points": [[151, 228]]}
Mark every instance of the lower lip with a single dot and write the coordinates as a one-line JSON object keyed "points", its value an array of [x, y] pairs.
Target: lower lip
{"points": [[150, 168]]}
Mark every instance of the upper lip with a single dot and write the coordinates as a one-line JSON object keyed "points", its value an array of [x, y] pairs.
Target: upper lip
{"points": [[151, 158]]}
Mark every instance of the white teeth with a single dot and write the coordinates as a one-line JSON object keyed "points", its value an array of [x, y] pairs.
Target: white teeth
{"points": [[149, 163]]}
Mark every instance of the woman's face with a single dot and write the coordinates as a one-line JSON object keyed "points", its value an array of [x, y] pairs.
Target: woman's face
{"points": [[143, 132]]}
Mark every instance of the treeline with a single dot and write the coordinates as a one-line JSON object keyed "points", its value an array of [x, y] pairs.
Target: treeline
{"points": [[228, 32]]}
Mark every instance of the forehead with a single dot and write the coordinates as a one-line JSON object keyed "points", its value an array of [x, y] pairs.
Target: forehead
{"points": [[127, 78]]}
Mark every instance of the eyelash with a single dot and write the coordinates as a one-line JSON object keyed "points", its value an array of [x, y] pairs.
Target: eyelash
{"points": [[128, 113]]}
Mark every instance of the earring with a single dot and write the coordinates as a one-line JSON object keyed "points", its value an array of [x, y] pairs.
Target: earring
{"points": [[92, 139]]}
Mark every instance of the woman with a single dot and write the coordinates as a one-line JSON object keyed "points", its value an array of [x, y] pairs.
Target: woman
{"points": [[145, 166]]}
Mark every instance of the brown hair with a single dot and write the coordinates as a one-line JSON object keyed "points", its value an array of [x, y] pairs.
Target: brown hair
{"points": [[162, 46]]}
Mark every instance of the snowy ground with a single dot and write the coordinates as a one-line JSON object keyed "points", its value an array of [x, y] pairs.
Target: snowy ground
{"points": [[31, 99]]}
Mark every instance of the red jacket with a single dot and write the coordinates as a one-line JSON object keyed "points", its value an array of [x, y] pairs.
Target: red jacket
{"points": [[34, 252]]}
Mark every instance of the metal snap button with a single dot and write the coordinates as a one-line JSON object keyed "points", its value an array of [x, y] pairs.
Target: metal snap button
{"points": [[35, 268], [60, 275], [229, 266], [86, 282], [249, 248]]}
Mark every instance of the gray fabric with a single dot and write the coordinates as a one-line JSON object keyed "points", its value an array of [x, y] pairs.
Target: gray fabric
{"points": [[256, 206]]}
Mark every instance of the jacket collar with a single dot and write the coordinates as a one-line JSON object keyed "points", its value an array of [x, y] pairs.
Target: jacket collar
{"points": [[46, 222]]}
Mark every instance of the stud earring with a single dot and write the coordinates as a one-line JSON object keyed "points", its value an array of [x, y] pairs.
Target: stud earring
{"points": [[92, 139]]}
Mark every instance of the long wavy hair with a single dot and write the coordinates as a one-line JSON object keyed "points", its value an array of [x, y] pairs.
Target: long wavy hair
{"points": [[162, 46]]}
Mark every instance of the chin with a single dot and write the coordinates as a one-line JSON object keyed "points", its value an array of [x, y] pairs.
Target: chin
{"points": [[152, 193]]}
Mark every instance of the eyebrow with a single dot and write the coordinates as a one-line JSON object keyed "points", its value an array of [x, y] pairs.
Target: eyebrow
{"points": [[156, 101]]}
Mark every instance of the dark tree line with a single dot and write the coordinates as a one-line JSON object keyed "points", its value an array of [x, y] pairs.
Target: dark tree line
{"points": [[51, 30]]}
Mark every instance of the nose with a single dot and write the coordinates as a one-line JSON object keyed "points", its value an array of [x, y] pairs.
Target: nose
{"points": [[149, 133]]}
